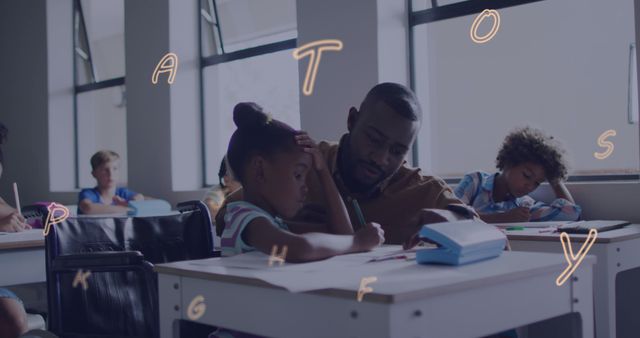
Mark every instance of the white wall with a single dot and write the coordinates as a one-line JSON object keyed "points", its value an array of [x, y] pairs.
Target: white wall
{"points": [[33, 94], [374, 40], [162, 120]]}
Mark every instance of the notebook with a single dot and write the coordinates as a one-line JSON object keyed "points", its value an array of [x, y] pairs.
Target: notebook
{"points": [[583, 227]]}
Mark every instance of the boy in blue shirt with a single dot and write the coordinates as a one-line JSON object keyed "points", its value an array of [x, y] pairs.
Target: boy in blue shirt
{"points": [[527, 158], [106, 197]]}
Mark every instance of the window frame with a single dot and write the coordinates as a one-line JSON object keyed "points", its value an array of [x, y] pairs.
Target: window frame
{"points": [[221, 58], [88, 87], [463, 8]]}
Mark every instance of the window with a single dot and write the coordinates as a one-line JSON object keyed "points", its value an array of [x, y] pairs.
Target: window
{"points": [[566, 67], [246, 49], [100, 100]]}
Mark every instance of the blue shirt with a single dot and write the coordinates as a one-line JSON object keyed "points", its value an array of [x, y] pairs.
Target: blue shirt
{"points": [[476, 190], [93, 195]]}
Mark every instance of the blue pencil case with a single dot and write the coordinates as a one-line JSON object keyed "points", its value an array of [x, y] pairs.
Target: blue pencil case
{"points": [[461, 242]]}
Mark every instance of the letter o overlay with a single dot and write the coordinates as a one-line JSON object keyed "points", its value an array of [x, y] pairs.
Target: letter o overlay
{"points": [[478, 20]]}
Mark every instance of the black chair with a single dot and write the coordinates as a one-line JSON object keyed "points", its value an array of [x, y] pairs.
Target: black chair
{"points": [[121, 299]]}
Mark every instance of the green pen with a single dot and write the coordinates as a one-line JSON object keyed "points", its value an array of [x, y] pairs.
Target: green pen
{"points": [[356, 207], [515, 228]]}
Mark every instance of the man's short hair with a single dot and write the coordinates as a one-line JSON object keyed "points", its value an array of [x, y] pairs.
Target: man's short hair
{"points": [[102, 157], [400, 98]]}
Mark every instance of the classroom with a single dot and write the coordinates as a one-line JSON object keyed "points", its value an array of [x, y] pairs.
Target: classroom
{"points": [[319, 168]]}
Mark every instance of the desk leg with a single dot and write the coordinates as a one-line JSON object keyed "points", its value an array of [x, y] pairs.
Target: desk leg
{"points": [[582, 290], [604, 291], [169, 300]]}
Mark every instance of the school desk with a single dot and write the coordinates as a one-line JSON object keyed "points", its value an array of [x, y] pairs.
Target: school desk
{"points": [[616, 274], [22, 257], [407, 300]]}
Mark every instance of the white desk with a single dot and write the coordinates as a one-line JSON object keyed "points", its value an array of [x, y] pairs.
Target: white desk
{"points": [[22, 258], [616, 251], [408, 300]]}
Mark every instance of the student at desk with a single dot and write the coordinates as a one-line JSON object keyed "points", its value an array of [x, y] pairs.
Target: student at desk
{"points": [[368, 164], [106, 197], [271, 161], [11, 220], [527, 158], [13, 318]]}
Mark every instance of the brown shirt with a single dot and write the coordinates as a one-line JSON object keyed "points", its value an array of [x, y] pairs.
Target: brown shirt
{"points": [[395, 204]]}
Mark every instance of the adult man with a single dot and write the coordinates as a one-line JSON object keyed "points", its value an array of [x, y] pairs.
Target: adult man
{"points": [[368, 164]]}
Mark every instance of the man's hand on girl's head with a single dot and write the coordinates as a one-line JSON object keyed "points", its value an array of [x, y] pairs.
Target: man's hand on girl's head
{"points": [[309, 146]]}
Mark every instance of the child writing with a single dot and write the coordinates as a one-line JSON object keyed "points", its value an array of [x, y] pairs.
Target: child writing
{"points": [[527, 158], [10, 219], [271, 161], [13, 318], [106, 197]]}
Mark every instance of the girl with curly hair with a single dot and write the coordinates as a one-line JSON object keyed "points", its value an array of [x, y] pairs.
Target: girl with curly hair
{"points": [[527, 158]]}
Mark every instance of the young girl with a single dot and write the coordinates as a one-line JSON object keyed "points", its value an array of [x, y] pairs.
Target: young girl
{"points": [[527, 158], [271, 161]]}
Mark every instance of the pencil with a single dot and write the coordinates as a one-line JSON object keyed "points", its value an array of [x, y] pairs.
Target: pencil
{"points": [[17, 197], [356, 207]]}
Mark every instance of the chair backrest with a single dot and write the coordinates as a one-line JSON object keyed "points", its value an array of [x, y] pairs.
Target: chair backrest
{"points": [[121, 298], [161, 239]]}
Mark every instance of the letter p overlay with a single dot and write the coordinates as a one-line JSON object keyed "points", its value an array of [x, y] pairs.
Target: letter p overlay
{"points": [[52, 218], [168, 63], [574, 261]]}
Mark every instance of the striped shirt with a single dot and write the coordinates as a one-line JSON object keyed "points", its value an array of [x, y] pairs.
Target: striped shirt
{"points": [[476, 190], [238, 215]]}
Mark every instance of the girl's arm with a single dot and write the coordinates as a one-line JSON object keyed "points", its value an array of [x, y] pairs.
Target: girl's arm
{"points": [[262, 235], [338, 218], [299, 227]]}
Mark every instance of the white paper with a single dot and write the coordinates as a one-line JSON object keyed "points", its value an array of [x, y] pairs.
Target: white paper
{"points": [[344, 272]]}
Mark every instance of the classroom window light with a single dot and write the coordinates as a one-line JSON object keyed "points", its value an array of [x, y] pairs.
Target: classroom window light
{"points": [[566, 67]]}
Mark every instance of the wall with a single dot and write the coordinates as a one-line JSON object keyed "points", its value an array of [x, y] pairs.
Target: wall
{"points": [[24, 29], [343, 77]]}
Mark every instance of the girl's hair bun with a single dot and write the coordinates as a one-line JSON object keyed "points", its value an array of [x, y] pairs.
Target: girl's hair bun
{"points": [[249, 115]]}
